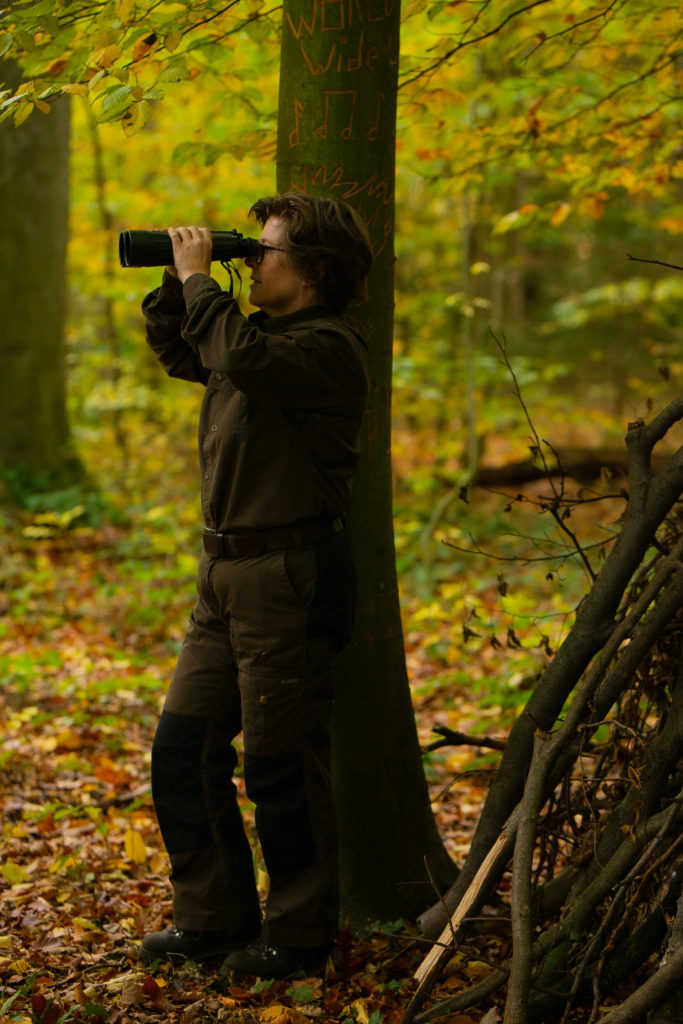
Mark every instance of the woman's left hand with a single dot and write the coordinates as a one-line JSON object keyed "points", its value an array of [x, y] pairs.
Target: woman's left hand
{"points": [[192, 249]]}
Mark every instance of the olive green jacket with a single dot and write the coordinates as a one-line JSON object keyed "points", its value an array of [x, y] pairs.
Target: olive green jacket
{"points": [[283, 404]]}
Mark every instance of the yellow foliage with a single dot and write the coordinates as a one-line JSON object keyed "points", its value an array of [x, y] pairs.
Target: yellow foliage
{"points": [[359, 1008], [172, 41], [75, 88], [84, 923], [560, 214], [135, 846], [277, 1013], [105, 57], [124, 10], [13, 872]]}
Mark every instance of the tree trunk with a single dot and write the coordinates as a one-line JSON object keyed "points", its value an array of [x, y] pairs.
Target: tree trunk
{"points": [[35, 453], [336, 136]]}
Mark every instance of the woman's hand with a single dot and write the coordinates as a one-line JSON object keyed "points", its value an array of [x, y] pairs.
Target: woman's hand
{"points": [[191, 252]]}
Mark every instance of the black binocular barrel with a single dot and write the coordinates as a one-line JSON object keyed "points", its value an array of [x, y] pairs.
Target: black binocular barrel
{"points": [[154, 249]]}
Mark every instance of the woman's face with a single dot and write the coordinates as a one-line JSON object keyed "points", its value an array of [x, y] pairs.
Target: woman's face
{"points": [[276, 287]]}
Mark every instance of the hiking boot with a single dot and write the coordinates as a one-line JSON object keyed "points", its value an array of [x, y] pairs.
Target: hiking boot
{"points": [[179, 944], [265, 961]]}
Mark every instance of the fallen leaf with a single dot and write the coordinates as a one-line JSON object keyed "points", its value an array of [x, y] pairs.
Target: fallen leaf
{"points": [[191, 1011], [132, 993], [135, 846], [360, 1009], [14, 873]]}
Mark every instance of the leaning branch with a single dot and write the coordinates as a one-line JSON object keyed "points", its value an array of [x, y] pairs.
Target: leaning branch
{"points": [[520, 907], [453, 738], [489, 871], [660, 263]]}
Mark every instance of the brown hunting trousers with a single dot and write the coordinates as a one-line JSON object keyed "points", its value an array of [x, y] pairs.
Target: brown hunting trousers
{"points": [[258, 657]]}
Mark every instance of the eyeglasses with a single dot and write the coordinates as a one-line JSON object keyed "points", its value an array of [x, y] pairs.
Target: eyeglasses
{"points": [[263, 249]]}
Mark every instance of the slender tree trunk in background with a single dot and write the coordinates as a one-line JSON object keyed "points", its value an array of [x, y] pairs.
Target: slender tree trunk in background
{"points": [[34, 167], [336, 136]]}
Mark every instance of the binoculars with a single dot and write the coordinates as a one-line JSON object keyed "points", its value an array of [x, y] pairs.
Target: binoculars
{"points": [[154, 248]]}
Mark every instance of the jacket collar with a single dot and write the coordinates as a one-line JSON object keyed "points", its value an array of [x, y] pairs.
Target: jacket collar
{"points": [[275, 324]]}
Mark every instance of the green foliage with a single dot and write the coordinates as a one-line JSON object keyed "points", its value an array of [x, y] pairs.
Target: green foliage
{"points": [[535, 151], [122, 55]]}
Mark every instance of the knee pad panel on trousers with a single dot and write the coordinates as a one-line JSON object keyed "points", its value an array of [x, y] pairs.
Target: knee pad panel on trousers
{"points": [[276, 784], [177, 753]]}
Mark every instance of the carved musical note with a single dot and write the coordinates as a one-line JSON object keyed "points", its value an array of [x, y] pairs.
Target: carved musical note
{"points": [[347, 131], [294, 134]]}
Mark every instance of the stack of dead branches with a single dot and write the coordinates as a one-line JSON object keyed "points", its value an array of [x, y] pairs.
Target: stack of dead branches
{"points": [[586, 808]]}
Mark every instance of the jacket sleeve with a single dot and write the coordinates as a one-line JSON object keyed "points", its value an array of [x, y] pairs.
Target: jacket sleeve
{"points": [[312, 366], [164, 311]]}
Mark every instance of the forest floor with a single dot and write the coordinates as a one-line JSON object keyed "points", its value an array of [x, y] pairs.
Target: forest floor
{"points": [[88, 637]]}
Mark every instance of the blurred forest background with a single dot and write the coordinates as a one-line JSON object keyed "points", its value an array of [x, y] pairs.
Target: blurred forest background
{"points": [[538, 150]]}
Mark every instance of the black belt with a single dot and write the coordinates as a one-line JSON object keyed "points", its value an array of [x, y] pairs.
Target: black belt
{"points": [[248, 545]]}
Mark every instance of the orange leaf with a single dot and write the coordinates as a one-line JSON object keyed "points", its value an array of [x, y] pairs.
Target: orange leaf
{"points": [[595, 205], [144, 46]]}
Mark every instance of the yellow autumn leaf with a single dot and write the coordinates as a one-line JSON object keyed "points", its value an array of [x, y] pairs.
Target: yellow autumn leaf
{"points": [[143, 47], [105, 57], [13, 872], [84, 923], [157, 512], [22, 112], [76, 88], [626, 178], [560, 214], [124, 9], [514, 218], [360, 1008], [135, 847], [172, 40], [68, 739], [272, 1012], [672, 224]]}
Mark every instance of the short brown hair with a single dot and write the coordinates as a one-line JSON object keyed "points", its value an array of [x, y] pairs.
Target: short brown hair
{"points": [[327, 241]]}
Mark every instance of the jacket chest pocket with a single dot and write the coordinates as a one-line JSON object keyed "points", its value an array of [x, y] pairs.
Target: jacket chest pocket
{"points": [[226, 410]]}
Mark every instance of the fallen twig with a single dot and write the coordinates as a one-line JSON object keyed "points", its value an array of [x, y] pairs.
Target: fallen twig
{"points": [[453, 738]]}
